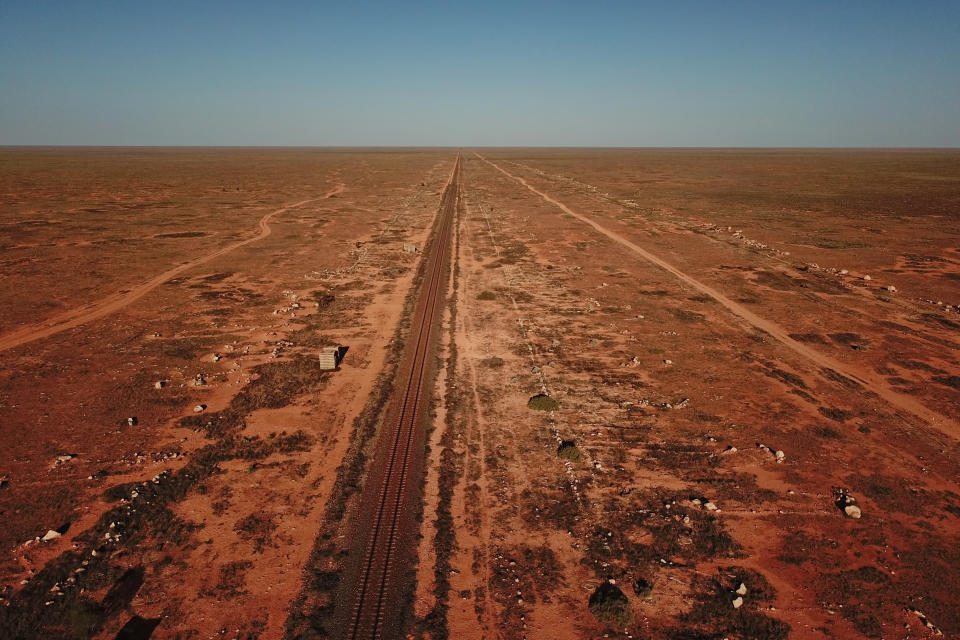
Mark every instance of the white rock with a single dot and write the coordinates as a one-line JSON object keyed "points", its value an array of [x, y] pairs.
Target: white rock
{"points": [[742, 590], [199, 408], [709, 506], [866, 277], [780, 455], [852, 511], [51, 535], [737, 602]]}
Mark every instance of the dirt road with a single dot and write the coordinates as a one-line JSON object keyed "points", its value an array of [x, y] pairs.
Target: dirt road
{"points": [[114, 302], [869, 381]]}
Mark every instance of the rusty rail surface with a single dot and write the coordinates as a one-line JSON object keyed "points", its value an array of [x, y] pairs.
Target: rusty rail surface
{"points": [[387, 528]]}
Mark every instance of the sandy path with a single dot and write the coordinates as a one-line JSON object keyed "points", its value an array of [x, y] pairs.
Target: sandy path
{"points": [[116, 301], [871, 382]]}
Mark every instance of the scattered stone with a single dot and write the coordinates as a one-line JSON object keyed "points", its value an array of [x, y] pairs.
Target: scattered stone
{"points": [[160, 384], [742, 590], [217, 357], [132, 421], [779, 455], [199, 380], [867, 278], [737, 602], [51, 535], [729, 449], [199, 408], [66, 457], [852, 511], [890, 288], [668, 362]]}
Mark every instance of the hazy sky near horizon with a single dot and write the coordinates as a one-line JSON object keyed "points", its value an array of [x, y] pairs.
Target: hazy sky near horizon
{"points": [[710, 73]]}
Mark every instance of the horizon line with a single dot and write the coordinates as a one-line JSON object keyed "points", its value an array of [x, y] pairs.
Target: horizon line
{"points": [[559, 146]]}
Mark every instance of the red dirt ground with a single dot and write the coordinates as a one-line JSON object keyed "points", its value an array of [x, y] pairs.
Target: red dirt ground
{"points": [[681, 306]]}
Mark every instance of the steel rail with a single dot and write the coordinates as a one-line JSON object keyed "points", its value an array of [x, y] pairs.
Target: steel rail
{"points": [[390, 470]]}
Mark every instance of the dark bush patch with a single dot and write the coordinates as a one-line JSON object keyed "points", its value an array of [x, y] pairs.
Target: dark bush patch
{"points": [[948, 381], [687, 316], [791, 379], [486, 295], [232, 579], [257, 528], [218, 277], [827, 432], [181, 234], [835, 414]]}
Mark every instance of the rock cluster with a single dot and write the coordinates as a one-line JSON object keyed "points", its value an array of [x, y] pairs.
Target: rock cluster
{"points": [[847, 503], [777, 454]]}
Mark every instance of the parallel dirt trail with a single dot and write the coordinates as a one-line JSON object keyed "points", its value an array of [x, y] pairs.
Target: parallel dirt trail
{"points": [[114, 302], [869, 381]]}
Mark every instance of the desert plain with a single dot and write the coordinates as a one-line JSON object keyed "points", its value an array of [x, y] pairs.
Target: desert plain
{"points": [[675, 393]]}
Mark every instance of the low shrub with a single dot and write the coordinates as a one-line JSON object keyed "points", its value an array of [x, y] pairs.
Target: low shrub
{"points": [[543, 402], [568, 451], [610, 606]]}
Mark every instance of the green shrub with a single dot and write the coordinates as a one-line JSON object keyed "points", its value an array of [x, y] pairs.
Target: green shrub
{"points": [[543, 402], [493, 362], [486, 295], [568, 451]]}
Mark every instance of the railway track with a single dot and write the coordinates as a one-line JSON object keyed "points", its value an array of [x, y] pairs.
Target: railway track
{"points": [[387, 526]]}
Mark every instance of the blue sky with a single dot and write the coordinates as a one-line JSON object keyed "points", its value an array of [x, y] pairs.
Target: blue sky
{"points": [[774, 73]]}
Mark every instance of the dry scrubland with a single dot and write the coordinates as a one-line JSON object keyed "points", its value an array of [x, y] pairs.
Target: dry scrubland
{"points": [[695, 443]]}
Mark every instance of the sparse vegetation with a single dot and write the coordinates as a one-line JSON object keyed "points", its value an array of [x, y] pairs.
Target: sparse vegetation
{"points": [[486, 295]]}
